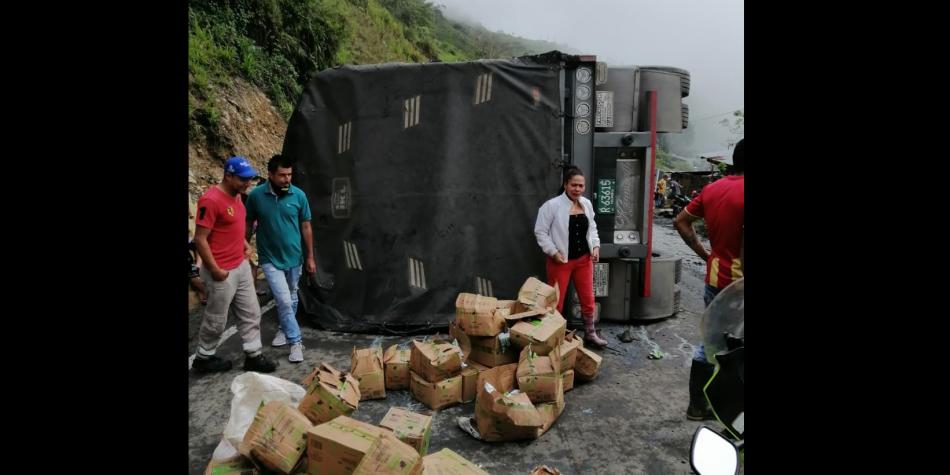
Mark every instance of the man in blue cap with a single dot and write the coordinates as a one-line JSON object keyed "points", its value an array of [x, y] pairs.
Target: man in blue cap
{"points": [[219, 238], [282, 213]]}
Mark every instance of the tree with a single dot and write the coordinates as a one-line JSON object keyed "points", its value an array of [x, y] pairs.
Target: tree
{"points": [[736, 126]]}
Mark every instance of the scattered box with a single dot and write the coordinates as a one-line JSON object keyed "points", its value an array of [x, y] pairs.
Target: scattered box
{"points": [[396, 367], [276, 437], [447, 462], [390, 456], [588, 364], [410, 427], [329, 394], [338, 446]]}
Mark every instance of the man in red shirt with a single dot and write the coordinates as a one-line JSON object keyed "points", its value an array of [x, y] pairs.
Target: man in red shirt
{"points": [[722, 205], [219, 237]]}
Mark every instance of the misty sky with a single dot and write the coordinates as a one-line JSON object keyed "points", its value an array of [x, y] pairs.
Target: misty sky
{"points": [[704, 37]]}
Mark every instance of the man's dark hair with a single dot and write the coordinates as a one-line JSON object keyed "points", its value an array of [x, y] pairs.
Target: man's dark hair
{"points": [[279, 161], [738, 158]]}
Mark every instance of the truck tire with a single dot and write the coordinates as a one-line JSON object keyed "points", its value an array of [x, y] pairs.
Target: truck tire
{"points": [[685, 115], [682, 73]]}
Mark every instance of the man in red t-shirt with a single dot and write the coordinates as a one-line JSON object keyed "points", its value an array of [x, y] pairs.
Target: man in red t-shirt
{"points": [[219, 238], [722, 205]]}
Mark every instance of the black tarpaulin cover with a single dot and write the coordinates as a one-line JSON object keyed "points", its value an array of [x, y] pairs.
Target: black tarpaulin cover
{"points": [[424, 181]]}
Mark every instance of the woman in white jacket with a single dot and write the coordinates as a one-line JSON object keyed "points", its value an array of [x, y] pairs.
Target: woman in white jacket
{"points": [[567, 234]]}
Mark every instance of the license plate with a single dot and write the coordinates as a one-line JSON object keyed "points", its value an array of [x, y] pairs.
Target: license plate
{"points": [[605, 195]]}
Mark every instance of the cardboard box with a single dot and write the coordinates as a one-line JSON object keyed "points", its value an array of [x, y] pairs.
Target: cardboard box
{"points": [[478, 315], [301, 468], [366, 365], [569, 350], [436, 395], [469, 380], [463, 340], [545, 470], [435, 360], [390, 456], [568, 378], [276, 437], [396, 367], [492, 351], [587, 365], [237, 465], [538, 295], [412, 428], [549, 412], [329, 394], [337, 447], [506, 307], [542, 333], [540, 376], [447, 462], [502, 414]]}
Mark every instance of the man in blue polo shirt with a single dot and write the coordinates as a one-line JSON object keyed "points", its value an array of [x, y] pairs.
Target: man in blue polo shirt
{"points": [[283, 218]]}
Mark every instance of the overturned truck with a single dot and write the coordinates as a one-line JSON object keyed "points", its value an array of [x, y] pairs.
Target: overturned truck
{"points": [[425, 181]]}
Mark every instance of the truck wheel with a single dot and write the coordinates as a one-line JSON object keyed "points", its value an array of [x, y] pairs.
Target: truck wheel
{"points": [[682, 73]]}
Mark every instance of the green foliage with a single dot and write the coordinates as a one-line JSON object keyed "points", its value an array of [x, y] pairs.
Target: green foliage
{"points": [[278, 45]]}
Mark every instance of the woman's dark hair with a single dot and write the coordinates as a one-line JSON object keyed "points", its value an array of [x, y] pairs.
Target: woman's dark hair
{"points": [[569, 172]]}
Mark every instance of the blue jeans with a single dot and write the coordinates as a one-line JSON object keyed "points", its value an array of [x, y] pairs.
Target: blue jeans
{"points": [[283, 285], [709, 293]]}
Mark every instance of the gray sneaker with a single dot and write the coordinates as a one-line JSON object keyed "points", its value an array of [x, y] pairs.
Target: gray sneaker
{"points": [[296, 353], [280, 339]]}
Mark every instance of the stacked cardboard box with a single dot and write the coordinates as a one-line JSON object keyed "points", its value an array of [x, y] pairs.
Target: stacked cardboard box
{"points": [[482, 321], [519, 401], [470, 379], [435, 373], [503, 413], [540, 376], [514, 358], [488, 351], [569, 350], [542, 329], [481, 316]]}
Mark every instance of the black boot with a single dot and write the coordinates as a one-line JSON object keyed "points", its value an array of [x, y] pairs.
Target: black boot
{"points": [[259, 363], [699, 374], [210, 364]]}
